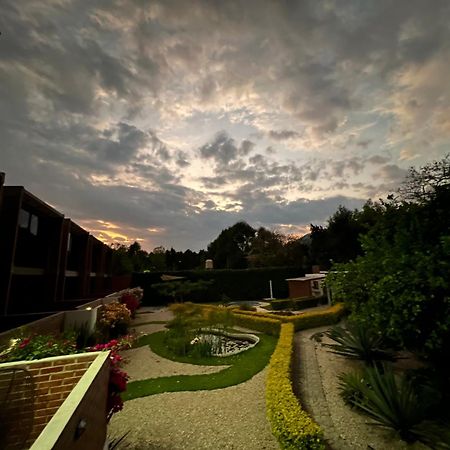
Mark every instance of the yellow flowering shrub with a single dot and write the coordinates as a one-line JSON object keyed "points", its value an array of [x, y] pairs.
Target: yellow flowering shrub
{"points": [[291, 425], [312, 319], [263, 324]]}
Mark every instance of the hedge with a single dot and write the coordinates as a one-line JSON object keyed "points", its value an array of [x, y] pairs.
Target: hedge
{"points": [[263, 324], [313, 319], [239, 284], [270, 323], [297, 303], [290, 424]]}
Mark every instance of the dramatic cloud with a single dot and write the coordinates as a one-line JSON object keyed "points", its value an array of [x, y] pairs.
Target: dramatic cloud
{"points": [[167, 121]]}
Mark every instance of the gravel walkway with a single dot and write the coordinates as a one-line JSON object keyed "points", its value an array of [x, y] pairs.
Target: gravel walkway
{"points": [[233, 418], [142, 363], [319, 392]]}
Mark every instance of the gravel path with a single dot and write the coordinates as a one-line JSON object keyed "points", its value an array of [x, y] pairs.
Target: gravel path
{"points": [[233, 418], [142, 363], [319, 392]]}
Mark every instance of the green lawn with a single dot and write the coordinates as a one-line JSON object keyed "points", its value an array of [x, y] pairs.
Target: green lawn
{"points": [[243, 366]]}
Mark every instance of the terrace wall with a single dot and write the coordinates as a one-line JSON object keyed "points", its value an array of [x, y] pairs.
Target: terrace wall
{"points": [[52, 379]]}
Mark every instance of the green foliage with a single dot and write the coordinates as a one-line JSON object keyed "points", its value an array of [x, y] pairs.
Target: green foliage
{"points": [[246, 284], [313, 319], [297, 304], [393, 403], [189, 323], [37, 347], [178, 290], [291, 425], [356, 341], [262, 324], [400, 286], [230, 249]]}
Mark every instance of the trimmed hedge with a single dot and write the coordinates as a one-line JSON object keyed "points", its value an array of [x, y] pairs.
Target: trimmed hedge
{"points": [[263, 324], [313, 319], [270, 323], [297, 303], [239, 284], [291, 425]]}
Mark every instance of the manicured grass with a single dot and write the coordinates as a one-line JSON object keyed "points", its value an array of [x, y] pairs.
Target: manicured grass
{"points": [[243, 366]]}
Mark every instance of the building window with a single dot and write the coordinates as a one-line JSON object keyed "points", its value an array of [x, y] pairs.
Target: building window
{"points": [[24, 219], [29, 222], [316, 285]]}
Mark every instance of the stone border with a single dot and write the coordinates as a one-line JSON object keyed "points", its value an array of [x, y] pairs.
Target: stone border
{"points": [[244, 336]]}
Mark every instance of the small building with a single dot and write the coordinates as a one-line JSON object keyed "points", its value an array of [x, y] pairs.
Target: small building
{"points": [[311, 285]]}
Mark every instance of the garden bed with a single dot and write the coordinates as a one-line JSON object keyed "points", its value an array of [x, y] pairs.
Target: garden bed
{"points": [[344, 428]]}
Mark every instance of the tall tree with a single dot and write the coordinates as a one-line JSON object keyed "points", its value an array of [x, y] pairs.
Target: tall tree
{"points": [[231, 248], [401, 284]]}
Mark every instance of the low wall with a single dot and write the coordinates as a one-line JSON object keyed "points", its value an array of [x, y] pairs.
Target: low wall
{"points": [[53, 382], [80, 423], [54, 323], [47, 325]]}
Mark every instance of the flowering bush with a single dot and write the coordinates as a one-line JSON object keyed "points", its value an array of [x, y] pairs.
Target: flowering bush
{"points": [[36, 347], [131, 302], [114, 320], [117, 378]]}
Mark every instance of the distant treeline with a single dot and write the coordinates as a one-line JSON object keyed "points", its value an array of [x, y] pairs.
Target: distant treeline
{"points": [[215, 285]]}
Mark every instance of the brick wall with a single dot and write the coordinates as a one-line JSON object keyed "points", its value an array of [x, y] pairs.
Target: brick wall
{"points": [[53, 380]]}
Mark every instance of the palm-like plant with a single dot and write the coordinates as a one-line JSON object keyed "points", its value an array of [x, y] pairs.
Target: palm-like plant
{"points": [[356, 341], [393, 403]]}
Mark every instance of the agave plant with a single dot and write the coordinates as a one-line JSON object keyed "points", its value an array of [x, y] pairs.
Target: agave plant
{"points": [[393, 403], [358, 342]]}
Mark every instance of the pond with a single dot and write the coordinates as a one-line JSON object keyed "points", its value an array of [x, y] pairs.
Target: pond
{"points": [[224, 343]]}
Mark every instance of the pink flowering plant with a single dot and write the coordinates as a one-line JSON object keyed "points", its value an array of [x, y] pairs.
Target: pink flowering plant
{"points": [[131, 301], [37, 347], [117, 377]]}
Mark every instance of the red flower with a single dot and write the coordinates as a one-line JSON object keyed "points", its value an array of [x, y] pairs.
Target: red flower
{"points": [[24, 343]]}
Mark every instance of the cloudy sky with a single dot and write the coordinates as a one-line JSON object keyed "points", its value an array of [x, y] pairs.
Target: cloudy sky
{"points": [[166, 121]]}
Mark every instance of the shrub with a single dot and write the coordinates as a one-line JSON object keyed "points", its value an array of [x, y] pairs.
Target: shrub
{"points": [[357, 341], [291, 425], [393, 403], [114, 320], [263, 324], [297, 303], [117, 377], [37, 347], [279, 304], [313, 319], [131, 302]]}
